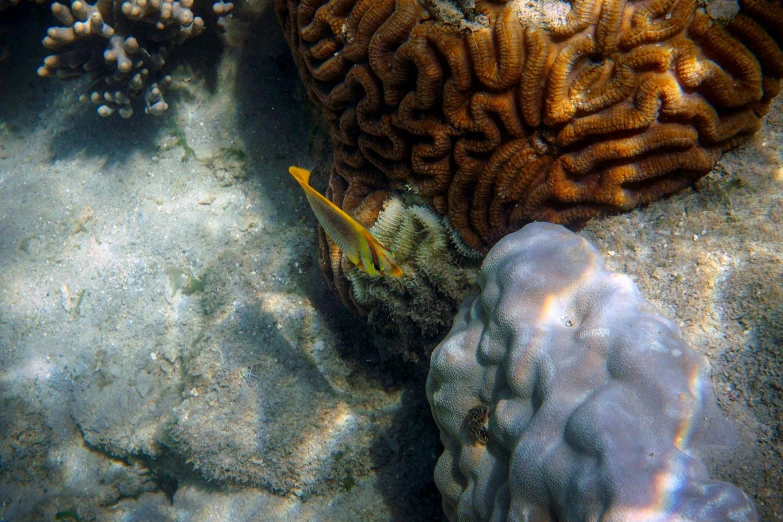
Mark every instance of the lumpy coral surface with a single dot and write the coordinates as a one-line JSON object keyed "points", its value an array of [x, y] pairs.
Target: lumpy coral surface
{"points": [[562, 396], [506, 112]]}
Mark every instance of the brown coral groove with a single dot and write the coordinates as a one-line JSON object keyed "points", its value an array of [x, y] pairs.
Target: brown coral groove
{"points": [[508, 114]]}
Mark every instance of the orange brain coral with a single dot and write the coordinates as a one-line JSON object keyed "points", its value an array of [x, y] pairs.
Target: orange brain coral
{"points": [[505, 112]]}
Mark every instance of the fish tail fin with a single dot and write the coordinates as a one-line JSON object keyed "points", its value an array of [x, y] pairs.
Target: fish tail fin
{"points": [[300, 175]]}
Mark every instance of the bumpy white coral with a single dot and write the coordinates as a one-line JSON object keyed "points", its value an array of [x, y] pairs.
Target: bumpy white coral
{"points": [[562, 395]]}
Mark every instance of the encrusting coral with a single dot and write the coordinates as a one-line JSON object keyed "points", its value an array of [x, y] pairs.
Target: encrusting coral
{"points": [[122, 46], [505, 112], [561, 394]]}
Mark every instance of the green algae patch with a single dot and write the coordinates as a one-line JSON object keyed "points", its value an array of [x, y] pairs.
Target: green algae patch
{"points": [[75, 310], [68, 514], [181, 140], [184, 280], [24, 244], [233, 153], [349, 481]]}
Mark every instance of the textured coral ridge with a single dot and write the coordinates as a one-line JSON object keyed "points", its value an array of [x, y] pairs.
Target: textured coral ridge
{"points": [[122, 46], [506, 112], [561, 395]]}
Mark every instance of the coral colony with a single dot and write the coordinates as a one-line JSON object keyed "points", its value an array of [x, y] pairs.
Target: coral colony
{"points": [[561, 395], [122, 47], [501, 113]]}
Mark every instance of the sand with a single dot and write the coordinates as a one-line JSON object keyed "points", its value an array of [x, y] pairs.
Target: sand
{"points": [[168, 346]]}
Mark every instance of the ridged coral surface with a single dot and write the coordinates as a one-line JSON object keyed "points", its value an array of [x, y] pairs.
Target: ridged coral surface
{"points": [[562, 396], [506, 112]]}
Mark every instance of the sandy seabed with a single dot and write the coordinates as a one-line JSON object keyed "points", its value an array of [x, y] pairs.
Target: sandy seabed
{"points": [[169, 350]]}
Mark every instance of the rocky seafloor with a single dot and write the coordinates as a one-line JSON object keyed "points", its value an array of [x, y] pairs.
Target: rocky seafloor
{"points": [[169, 350]]}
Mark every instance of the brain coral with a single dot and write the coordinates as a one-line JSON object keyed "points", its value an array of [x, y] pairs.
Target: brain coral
{"points": [[505, 112], [562, 396]]}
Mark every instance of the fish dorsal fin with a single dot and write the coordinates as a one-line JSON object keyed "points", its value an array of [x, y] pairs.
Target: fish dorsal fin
{"points": [[300, 175]]}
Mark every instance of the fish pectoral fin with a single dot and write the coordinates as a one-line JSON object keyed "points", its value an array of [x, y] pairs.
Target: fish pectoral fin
{"points": [[389, 266], [368, 259]]}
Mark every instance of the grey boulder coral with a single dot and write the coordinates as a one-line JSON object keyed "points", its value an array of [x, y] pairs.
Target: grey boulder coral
{"points": [[561, 394]]}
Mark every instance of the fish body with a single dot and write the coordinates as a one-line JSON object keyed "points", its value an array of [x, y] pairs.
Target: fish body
{"points": [[355, 241]]}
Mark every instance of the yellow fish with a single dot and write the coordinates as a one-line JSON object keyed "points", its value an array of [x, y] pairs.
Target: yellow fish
{"points": [[355, 241]]}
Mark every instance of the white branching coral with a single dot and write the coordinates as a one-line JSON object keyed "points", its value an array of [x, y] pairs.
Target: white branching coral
{"points": [[122, 47]]}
